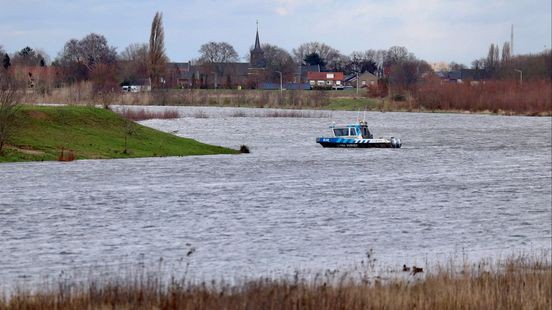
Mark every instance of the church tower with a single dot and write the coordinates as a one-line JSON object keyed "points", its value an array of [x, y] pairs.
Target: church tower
{"points": [[257, 59]]}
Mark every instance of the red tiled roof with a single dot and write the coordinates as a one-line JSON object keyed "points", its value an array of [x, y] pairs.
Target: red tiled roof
{"points": [[326, 76]]}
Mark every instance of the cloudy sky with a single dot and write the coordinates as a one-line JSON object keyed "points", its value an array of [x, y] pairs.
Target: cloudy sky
{"points": [[447, 30]]}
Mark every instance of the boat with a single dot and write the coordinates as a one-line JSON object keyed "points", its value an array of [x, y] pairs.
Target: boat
{"points": [[356, 136]]}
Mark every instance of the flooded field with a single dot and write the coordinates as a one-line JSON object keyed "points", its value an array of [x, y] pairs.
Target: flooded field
{"points": [[470, 186]]}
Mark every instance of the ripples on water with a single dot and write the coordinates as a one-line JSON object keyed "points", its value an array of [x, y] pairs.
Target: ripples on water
{"points": [[471, 185]]}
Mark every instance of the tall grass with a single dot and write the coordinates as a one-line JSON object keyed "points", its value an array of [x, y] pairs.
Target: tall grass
{"points": [[83, 94], [143, 114], [282, 113], [533, 98], [516, 283]]}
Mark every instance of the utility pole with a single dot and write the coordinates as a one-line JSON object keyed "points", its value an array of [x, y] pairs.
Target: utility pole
{"points": [[512, 41], [280, 73]]}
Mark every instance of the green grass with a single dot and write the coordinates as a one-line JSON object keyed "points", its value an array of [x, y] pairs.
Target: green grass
{"points": [[352, 104], [92, 133]]}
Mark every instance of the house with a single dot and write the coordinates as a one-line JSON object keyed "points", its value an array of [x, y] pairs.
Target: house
{"points": [[303, 70], [325, 79], [175, 71], [459, 76], [364, 80]]}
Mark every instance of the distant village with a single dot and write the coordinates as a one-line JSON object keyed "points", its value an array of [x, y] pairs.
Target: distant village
{"points": [[310, 66]]}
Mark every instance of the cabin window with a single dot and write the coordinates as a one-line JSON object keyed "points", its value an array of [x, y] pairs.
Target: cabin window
{"points": [[341, 132], [352, 132]]}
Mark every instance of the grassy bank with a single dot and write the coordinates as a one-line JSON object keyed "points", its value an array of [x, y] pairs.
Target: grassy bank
{"points": [[520, 283], [41, 133]]}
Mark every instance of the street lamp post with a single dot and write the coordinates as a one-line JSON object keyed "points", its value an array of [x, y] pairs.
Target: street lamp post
{"points": [[280, 73], [356, 82], [215, 79], [520, 77]]}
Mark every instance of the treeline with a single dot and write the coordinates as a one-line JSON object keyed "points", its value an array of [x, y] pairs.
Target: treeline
{"points": [[92, 59], [502, 65], [92, 64]]}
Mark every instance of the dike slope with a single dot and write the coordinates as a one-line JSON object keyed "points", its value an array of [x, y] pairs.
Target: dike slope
{"points": [[41, 132]]}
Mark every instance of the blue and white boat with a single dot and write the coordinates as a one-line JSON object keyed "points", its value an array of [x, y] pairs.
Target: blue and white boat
{"points": [[356, 135]]}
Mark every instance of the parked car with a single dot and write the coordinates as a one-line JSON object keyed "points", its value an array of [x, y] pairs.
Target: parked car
{"points": [[130, 88]]}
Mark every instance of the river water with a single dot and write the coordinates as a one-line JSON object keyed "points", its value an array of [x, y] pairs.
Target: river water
{"points": [[471, 185]]}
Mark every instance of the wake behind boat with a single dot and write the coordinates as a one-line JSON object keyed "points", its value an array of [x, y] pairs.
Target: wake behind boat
{"points": [[358, 136]]}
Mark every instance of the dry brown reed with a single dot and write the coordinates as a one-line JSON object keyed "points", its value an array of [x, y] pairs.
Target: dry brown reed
{"points": [[508, 97], [143, 114], [66, 155], [283, 113], [82, 93], [517, 283]]}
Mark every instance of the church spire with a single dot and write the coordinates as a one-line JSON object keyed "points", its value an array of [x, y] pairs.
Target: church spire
{"points": [[257, 41], [257, 59]]}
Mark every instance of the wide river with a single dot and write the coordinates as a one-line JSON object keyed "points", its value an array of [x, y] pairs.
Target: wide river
{"points": [[474, 186]]}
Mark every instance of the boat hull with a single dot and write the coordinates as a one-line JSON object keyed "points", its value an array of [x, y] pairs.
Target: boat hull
{"points": [[359, 143]]}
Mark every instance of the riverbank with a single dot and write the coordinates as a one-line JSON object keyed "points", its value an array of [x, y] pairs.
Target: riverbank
{"points": [[493, 98], [515, 283], [71, 132]]}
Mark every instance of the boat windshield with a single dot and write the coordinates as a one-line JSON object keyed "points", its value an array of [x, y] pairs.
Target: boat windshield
{"points": [[342, 132], [339, 132]]}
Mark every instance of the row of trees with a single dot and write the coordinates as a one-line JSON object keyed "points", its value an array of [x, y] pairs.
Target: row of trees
{"points": [[503, 65], [92, 59], [500, 64]]}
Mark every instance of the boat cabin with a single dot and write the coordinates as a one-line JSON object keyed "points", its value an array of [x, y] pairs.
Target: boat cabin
{"points": [[358, 131]]}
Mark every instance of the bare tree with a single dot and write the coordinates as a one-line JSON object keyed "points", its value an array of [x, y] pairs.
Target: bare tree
{"points": [[506, 52], [79, 57], [456, 66], [134, 62], [396, 55], [10, 96], [478, 64], [361, 62], [327, 53], [492, 58], [215, 52], [157, 57]]}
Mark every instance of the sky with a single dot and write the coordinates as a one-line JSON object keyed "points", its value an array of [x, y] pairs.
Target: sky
{"points": [[447, 30]]}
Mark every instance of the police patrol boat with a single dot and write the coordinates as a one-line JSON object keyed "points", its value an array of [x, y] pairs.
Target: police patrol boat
{"points": [[356, 135]]}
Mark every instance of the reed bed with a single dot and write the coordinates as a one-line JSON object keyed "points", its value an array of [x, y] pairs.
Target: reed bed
{"points": [[515, 283], [507, 97], [283, 113], [143, 114], [83, 94]]}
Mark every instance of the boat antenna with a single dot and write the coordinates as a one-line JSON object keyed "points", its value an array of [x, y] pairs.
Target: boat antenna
{"points": [[358, 115], [364, 115]]}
